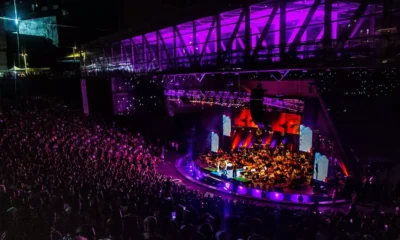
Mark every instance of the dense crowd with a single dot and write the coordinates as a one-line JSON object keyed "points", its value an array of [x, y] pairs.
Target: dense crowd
{"points": [[66, 176]]}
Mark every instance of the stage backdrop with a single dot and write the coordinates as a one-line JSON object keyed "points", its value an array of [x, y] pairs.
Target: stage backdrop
{"points": [[243, 119], [286, 122], [281, 122]]}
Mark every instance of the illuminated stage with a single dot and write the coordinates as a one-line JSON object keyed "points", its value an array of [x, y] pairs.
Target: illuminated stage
{"points": [[210, 180], [224, 127]]}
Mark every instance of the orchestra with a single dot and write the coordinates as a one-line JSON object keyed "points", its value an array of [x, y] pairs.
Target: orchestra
{"points": [[274, 167]]}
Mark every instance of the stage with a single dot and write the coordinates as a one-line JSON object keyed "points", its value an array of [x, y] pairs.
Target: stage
{"points": [[238, 186]]}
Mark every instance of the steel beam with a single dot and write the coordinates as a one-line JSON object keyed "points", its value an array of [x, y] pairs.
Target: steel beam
{"points": [[356, 16], [164, 47], [194, 42], [133, 54], [282, 30], [144, 53], [183, 44], [235, 32], [219, 41], [327, 42], [203, 50], [247, 34], [153, 55], [158, 50], [304, 26], [175, 64], [265, 31]]}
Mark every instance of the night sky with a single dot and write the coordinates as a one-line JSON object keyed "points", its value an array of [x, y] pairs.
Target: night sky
{"points": [[101, 18]]}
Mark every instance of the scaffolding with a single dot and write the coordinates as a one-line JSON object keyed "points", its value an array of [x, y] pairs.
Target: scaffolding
{"points": [[255, 35]]}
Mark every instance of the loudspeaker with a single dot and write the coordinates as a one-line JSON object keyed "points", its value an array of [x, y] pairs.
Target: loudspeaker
{"points": [[257, 106]]}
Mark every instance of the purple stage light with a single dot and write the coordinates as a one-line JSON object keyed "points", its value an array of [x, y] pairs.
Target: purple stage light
{"points": [[256, 193], [227, 186], [275, 196], [242, 190]]}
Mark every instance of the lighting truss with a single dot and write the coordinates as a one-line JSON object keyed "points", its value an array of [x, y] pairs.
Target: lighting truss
{"points": [[261, 33], [231, 99]]}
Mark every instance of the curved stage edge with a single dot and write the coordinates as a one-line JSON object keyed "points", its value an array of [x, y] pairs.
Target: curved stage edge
{"points": [[255, 194]]}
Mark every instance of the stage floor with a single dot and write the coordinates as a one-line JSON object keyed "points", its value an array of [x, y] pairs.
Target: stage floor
{"points": [[212, 180]]}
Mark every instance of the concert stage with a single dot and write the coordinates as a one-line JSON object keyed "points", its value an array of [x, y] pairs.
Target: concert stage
{"points": [[210, 179]]}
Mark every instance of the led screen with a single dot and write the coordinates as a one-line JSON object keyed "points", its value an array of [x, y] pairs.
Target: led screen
{"points": [[43, 27], [287, 123], [226, 125], [244, 119], [214, 142], [305, 139], [321, 164]]}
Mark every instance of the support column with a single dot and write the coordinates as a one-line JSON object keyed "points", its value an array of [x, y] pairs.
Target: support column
{"points": [[218, 32], [247, 35], [282, 31]]}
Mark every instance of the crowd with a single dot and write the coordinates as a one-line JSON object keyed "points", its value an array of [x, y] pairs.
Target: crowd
{"points": [[66, 176], [265, 166]]}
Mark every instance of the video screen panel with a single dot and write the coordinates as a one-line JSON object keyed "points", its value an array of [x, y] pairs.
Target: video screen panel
{"points": [[305, 139], [226, 125], [244, 119], [287, 123], [214, 142], [321, 165], [42, 27]]}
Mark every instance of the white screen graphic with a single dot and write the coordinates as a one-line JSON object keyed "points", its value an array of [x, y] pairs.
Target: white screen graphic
{"points": [[321, 165], [42, 27], [305, 138], [214, 142], [226, 125]]}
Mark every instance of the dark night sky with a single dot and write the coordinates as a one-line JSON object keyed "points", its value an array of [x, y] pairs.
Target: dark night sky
{"points": [[152, 14], [101, 18]]}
